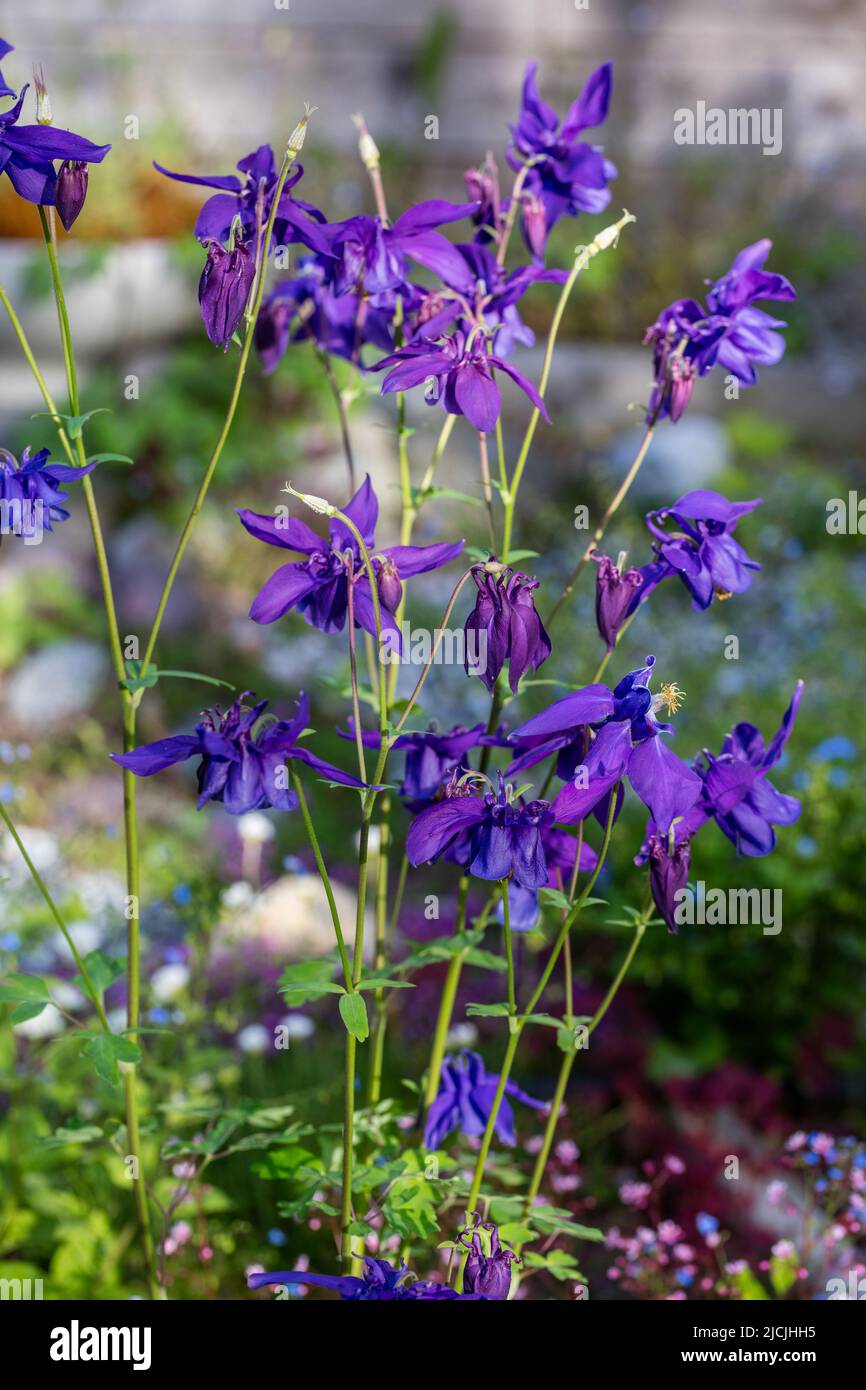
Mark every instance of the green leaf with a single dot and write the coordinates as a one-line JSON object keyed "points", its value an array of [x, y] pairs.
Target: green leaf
{"points": [[138, 678], [194, 676], [73, 424], [285, 1162], [546, 1020], [307, 980], [552, 897], [353, 1012], [360, 1228], [381, 982], [487, 1010], [103, 971], [485, 960], [108, 1049], [110, 458], [516, 555], [27, 993]]}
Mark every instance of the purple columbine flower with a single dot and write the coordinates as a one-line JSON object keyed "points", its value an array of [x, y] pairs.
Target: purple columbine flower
{"points": [[27, 153], [747, 334], [249, 197], [486, 1273], [465, 1100], [459, 375], [669, 857], [504, 626], [306, 308], [381, 1281], [224, 289], [622, 738], [689, 340], [619, 591], [493, 835], [482, 185], [318, 586], [372, 258], [433, 757], [736, 791], [31, 491], [244, 768], [702, 550], [567, 175], [560, 852]]}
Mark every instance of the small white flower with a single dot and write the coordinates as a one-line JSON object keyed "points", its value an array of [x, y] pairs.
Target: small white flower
{"points": [[255, 829], [169, 980], [254, 1038]]}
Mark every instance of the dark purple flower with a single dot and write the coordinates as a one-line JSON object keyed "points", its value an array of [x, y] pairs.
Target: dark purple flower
{"points": [[318, 586], [496, 835], [224, 289], [5, 49], [465, 1100], [702, 550], [373, 258], [560, 852], [482, 185], [621, 738], [71, 190], [27, 153], [306, 308], [689, 340], [30, 492], [249, 198], [736, 791], [504, 626], [748, 335], [380, 1282], [244, 769], [567, 175], [618, 594], [434, 757], [459, 375], [669, 857], [486, 1273]]}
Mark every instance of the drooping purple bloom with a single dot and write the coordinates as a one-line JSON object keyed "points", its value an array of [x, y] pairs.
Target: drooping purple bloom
{"points": [[748, 335], [482, 185], [618, 593], [224, 289], [669, 857], [459, 375], [27, 153], [306, 308], [560, 852], [493, 835], [71, 191], [318, 586], [621, 738], [486, 1273], [249, 197], [702, 550], [372, 258], [465, 1100], [5, 50], [504, 626], [381, 1282], [689, 340], [243, 768], [736, 791], [31, 494], [567, 175]]}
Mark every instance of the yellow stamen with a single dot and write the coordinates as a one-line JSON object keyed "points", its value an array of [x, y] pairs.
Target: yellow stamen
{"points": [[722, 594], [671, 697]]}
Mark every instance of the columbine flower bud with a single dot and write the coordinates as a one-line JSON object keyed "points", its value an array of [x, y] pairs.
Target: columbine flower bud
{"points": [[224, 289], [367, 147], [534, 224], [316, 504], [71, 190], [389, 585], [43, 101], [482, 186], [616, 596], [488, 1275], [299, 134]]}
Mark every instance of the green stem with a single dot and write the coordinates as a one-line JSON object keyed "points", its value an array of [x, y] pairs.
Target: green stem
{"points": [[446, 1003], [598, 534], [324, 876], [92, 992], [129, 817], [509, 951], [517, 1025], [608, 237], [374, 1083], [342, 413]]}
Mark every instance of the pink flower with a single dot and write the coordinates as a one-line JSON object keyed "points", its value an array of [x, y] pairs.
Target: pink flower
{"points": [[674, 1164], [635, 1194], [776, 1191]]}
